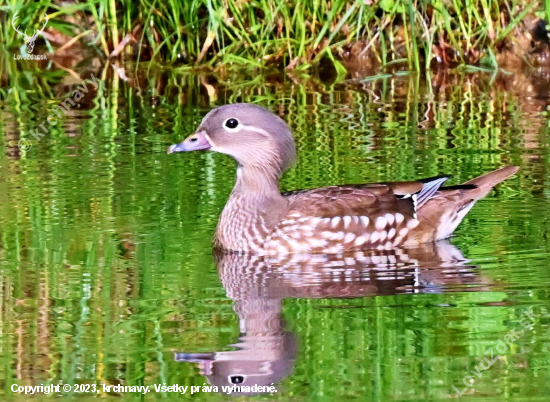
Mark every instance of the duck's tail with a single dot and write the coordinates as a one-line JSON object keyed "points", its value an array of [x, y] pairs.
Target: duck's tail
{"points": [[487, 181], [442, 213]]}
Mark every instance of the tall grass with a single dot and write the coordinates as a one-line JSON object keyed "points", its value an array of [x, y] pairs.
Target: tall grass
{"points": [[292, 34]]}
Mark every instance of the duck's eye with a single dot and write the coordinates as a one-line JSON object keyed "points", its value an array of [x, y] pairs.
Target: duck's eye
{"points": [[236, 379], [231, 123]]}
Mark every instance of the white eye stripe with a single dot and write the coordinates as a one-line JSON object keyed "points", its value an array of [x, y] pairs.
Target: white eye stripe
{"points": [[256, 130], [240, 126]]}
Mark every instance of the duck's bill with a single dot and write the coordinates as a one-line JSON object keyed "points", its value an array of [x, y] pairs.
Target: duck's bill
{"points": [[195, 142], [193, 357]]}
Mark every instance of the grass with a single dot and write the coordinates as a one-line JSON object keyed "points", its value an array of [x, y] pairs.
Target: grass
{"points": [[291, 34]]}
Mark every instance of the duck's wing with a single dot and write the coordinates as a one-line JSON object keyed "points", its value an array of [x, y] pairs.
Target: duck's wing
{"points": [[339, 201], [351, 217]]}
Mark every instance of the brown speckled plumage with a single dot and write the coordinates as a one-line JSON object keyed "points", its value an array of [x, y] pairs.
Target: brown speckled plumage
{"points": [[258, 218]]}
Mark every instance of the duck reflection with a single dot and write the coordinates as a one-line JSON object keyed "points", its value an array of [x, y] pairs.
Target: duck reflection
{"points": [[258, 284]]}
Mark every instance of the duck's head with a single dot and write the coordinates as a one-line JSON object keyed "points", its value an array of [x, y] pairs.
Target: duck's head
{"points": [[252, 135]]}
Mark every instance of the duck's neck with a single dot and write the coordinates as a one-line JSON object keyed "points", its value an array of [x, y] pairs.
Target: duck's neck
{"points": [[253, 210]]}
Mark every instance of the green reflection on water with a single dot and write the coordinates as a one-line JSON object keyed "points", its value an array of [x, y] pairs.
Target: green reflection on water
{"points": [[105, 258]]}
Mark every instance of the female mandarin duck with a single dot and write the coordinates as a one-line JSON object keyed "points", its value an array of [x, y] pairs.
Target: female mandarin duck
{"points": [[335, 219]]}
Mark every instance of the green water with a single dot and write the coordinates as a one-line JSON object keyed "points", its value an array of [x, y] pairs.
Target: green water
{"points": [[107, 276]]}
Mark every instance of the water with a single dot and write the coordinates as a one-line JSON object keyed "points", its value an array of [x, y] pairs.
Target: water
{"points": [[108, 277]]}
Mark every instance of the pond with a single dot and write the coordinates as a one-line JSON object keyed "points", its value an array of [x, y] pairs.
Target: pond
{"points": [[108, 278]]}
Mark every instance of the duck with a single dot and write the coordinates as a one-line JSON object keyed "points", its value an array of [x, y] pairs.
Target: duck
{"points": [[258, 218]]}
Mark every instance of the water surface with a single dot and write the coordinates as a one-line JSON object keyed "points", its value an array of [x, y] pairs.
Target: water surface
{"points": [[108, 278]]}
